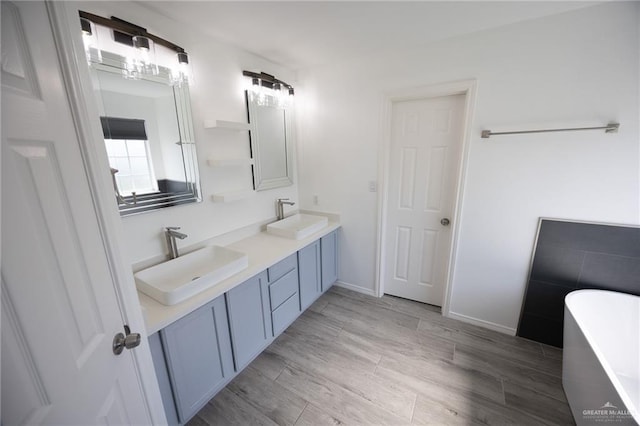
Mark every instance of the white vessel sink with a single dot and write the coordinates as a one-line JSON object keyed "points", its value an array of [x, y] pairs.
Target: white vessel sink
{"points": [[298, 226], [178, 279]]}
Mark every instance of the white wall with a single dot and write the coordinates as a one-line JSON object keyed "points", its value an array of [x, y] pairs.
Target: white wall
{"points": [[571, 69], [217, 92]]}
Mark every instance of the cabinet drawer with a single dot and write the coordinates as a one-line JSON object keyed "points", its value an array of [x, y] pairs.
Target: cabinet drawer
{"points": [[285, 314], [282, 267], [283, 289]]}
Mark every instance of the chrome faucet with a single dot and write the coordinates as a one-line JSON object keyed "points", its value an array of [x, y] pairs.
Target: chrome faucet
{"points": [[280, 202], [171, 233]]}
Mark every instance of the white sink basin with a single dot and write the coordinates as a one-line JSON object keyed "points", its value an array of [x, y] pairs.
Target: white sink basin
{"points": [[178, 279], [298, 226]]}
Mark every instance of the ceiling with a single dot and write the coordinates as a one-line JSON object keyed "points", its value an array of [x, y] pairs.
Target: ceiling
{"points": [[303, 34]]}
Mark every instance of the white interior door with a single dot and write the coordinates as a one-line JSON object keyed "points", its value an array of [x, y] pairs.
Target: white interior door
{"points": [[424, 159], [59, 306]]}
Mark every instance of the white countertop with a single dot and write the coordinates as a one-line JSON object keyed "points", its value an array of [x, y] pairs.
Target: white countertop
{"points": [[264, 250]]}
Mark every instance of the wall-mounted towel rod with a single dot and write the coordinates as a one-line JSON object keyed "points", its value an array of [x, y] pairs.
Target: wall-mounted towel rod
{"points": [[609, 128]]}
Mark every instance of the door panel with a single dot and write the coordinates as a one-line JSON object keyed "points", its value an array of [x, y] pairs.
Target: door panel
{"points": [[27, 396], [249, 319], [58, 296], [436, 179], [18, 71], [199, 359], [403, 251], [309, 274], [329, 260], [408, 177], [427, 255], [37, 178], [424, 158]]}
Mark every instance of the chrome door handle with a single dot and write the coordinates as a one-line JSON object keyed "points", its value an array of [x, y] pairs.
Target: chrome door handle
{"points": [[130, 341], [445, 221]]}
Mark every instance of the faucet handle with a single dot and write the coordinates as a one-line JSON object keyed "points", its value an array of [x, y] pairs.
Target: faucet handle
{"points": [[172, 228], [282, 199]]}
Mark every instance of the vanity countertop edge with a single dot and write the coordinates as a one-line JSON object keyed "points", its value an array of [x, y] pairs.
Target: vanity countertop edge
{"points": [[263, 249]]}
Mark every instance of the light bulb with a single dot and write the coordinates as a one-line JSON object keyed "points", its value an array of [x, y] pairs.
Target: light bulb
{"points": [[90, 41], [143, 59], [181, 71]]}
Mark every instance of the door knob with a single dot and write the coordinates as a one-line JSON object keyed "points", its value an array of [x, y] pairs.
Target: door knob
{"points": [[445, 221], [130, 341]]}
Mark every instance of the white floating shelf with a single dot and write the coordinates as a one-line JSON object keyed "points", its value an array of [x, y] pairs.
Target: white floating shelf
{"points": [[227, 197], [231, 125], [224, 162]]}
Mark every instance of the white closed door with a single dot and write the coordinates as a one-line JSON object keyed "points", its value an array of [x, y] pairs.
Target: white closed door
{"points": [[59, 307], [425, 155]]}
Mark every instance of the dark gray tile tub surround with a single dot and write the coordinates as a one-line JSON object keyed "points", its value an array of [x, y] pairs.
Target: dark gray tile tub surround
{"points": [[571, 256]]}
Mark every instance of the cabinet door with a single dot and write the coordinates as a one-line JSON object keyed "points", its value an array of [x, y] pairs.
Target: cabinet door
{"points": [[309, 274], [249, 319], [159, 364], [329, 258], [198, 353]]}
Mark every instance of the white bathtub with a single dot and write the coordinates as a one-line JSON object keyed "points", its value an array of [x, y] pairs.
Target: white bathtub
{"points": [[601, 357]]}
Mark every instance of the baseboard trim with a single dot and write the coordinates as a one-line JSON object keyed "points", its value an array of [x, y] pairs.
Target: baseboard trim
{"points": [[356, 288], [482, 323]]}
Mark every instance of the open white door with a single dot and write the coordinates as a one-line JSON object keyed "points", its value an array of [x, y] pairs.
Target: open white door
{"points": [[425, 151], [60, 311]]}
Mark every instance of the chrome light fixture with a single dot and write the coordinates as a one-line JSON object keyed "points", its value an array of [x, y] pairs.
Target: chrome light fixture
{"points": [[266, 90], [90, 41], [257, 91], [142, 59], [181, 72]]}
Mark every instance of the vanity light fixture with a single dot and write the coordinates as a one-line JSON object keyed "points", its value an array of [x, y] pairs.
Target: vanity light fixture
{"points": [[264, 85], [258, 92], [142, 60], [281, 95], [90, 41], [290, 96], [181, 73]]}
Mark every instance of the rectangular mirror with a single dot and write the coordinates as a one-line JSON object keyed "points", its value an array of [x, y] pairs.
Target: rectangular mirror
{"points": [[270, 142], [148, 133]]}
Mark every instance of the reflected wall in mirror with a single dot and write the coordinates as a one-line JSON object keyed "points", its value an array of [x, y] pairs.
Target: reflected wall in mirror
{"points": [[270, 142], [148, 134]]}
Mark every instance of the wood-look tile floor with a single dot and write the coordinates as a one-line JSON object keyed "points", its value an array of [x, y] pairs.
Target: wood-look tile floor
{"points": [[356, 359]]}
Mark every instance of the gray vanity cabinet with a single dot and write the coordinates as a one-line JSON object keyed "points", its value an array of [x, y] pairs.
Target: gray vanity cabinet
{"points": [[197, 350], [310, 275], [329, 259], [249, 319], [197, 355]]}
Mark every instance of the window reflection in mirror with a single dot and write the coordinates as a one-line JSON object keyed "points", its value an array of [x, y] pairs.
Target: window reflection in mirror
{"points": [[147, 129], [129, 155], [270, 142]]}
